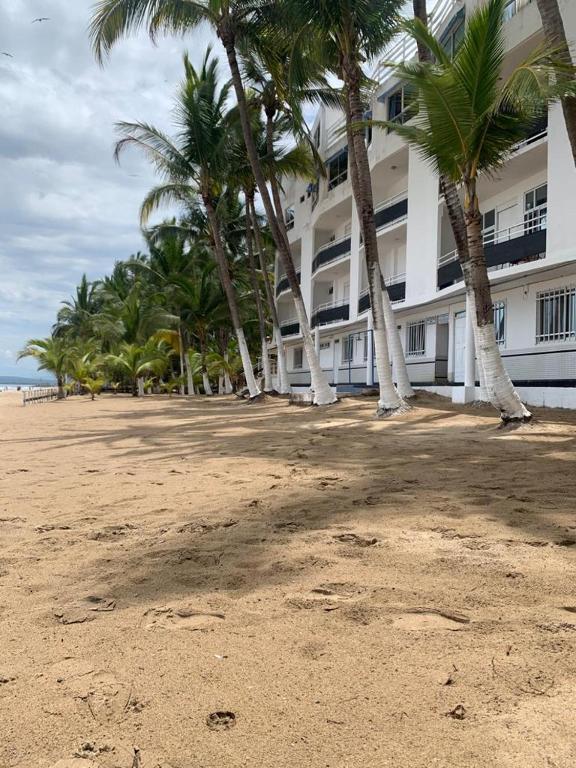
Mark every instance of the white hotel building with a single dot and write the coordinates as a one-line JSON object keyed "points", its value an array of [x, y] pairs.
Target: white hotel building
{"points": [[529, 210]]}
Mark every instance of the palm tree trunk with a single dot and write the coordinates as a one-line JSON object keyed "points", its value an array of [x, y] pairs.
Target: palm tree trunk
{"points": [[259, 308], [283, 382], [500, 390], [390, 399], [556, 37], [206, 383], [189, 376], [231, 297], [323, 393], [181, 351], [60, 384]]}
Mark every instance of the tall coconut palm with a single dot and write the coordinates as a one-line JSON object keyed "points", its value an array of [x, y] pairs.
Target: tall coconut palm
{"points": [[195, 166], [556, 36], [53, 355], [76, 317], [347, 33], [470, 119], [233, 21]]}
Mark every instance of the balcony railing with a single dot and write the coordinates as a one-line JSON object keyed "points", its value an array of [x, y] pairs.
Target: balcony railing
{"points": [[403, 48], [336, 249], [512, 7], [283, 284], [393, 210], [519, 244], [396, 286], [290, 327], [331, 312], [538, 131]]}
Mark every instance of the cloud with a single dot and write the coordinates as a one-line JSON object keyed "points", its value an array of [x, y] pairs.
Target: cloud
{"points": [[65, 206]]}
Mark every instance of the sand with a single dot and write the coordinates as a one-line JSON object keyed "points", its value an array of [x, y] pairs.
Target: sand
{"points": [[353, 593]]}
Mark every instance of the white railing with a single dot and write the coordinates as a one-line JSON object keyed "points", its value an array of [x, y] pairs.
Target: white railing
{"points": [[393, 280], [290, 321], [534, 221], [531, 140], [331, 305], [330, 243], [403, 47], [335, 132], [391, 201]]}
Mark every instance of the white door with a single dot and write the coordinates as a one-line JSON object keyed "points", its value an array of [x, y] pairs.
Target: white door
{"points": [[459, 346], [326, 355], [506, 223]]}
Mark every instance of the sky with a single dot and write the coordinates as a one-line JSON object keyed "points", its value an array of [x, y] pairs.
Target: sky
{"points": [[66, 208]]}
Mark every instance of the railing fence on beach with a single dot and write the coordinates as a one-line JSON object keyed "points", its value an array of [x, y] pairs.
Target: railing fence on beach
{"points": [[39, 395]]}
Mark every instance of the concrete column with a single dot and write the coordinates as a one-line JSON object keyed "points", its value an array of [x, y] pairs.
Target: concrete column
{"points": [[422, 230], [370, 360], [336, 362], [467, 393], [306, 267]]}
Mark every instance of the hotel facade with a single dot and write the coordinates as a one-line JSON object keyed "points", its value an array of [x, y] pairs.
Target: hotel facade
{"points": [[529, 219]]}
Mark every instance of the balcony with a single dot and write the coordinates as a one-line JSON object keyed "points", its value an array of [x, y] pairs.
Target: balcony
{"points": [[519, 244], [536, 133], [290, 327], [284, 285], [337, 249], [391, 211], [396, 286], [331, 312]]}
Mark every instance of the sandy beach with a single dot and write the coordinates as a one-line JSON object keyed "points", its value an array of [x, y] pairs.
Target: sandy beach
{"points": [[357, 594]]}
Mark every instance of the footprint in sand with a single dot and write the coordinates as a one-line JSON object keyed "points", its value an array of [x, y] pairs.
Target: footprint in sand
{"points": [[181, 618], [353, 538], [338, 590], [419, 619]]}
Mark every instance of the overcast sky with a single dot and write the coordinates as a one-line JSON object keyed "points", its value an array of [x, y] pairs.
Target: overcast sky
{"points": [[65, 207]]}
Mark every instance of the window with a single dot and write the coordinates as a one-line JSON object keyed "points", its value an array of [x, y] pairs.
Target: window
{"points": [[312, 190], [298, 358], [368, 129], [347, 349], [289, 217], [324, 345], [367, 339], [317, 137], [556, 315], [452, 38], [416, 336], [499, 308], [536, 209], [489, 226], [338, 169], [510, 9], [402, 105]]}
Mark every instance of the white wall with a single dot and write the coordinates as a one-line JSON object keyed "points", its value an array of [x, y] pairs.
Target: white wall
{"points": [[423, 230]]}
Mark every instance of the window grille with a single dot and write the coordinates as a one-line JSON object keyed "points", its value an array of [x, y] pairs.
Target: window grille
{"points": [[416, 333], [338, 169], [556, 315], [499, 308], [348, 349], [298, 357]]}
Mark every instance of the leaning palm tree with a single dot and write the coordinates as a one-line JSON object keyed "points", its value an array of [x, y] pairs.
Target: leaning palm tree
{"points": [[470, 118], [195, 166], [347, 33], [53, 355], [556, 36], [234, 21]]}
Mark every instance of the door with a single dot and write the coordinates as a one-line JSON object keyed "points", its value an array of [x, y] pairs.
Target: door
{"points": [[507, 223], [459, 346], [441, 367]]}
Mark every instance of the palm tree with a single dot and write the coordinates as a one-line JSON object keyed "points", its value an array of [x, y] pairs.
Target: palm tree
{"points": [[76, 317], [556, 37], [470, 118], [52, 354], [347, 33], [133, 361], [195, 167], [233, 21]]}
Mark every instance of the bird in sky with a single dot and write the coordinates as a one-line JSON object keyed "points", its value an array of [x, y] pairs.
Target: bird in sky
{"points": [[6, 54], [40, 18]]}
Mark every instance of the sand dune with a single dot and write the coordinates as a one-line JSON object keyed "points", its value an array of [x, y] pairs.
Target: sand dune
{"points": [[226, 585]]}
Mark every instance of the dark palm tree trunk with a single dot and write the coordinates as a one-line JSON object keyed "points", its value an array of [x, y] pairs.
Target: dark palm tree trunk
{"points": [[228, 288], [501, 392], [259, 307], [60, 384], [323, 394], [556, 37], [382, 313], [284, 386]]}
